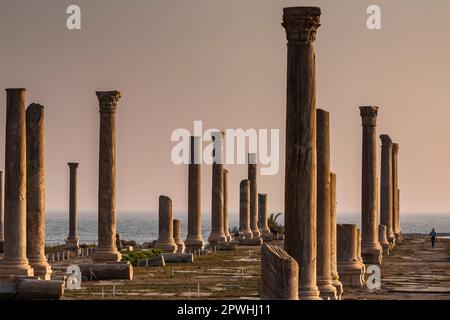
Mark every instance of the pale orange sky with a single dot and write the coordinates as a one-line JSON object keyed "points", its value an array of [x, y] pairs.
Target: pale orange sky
{"points": [[224, 62]]}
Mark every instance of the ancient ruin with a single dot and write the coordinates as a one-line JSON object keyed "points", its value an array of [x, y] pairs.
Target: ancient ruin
{"points": [[72, 238], [165, 222]]}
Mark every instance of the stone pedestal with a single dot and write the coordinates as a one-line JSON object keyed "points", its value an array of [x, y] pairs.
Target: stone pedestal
{"points": [[348, 266], [217, 233], [383, 239], [386, 199], [165, 239], [194, 239], [177, 236], [72, 238], [244, 211], [333, 238], [36, 191], [279, 274], [253, 179], [106, 250], [226, 228], [263, 217], [15, 262], [301, 24], [371, 249]]}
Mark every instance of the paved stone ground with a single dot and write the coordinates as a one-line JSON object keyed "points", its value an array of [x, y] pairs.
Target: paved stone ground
{"points": [[413, 271]]}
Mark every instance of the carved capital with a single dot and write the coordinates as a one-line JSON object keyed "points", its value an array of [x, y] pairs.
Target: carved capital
{"points": [[108, 100], [301, 24], [386, 141], [369, 115], [73, 165]]}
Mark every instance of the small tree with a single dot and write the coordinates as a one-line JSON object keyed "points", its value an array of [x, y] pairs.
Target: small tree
{"points": [[274, 226]]}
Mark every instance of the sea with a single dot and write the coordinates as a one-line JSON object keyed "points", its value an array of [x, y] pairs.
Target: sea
{"points": [[143, 227]]}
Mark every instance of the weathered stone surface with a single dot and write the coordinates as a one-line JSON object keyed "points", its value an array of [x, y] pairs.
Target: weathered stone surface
{"points": [[178, 257], [263, 217], [31, 289], [244, 211], [72, 238], [333, 238], [165, 222], [106, 250], [152, 262], [349, 267], [279, 274], [177, 235], [301, 24], [107, 271], [36, 191], [386, 196], [194, 239], [324, 279], [15, 262], [371, 249], [253, 180], [227, 245], [226, 228]]}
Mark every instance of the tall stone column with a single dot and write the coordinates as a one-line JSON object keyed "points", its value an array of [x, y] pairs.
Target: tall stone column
{"points": [[263, 217], [225, 205], [395, 217], [252, 177], [371, 249], [194, 239], [177, 236], [15, 262], [386, 212], [217, 233], [36, 191], [324, 279], [244, 211], [301, 24], [333, 237], [1, 211], [72, 238], [107, 249], [165, 236]]}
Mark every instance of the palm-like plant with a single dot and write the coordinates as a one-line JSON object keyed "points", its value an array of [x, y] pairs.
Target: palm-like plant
{"points": [[274, 226]]}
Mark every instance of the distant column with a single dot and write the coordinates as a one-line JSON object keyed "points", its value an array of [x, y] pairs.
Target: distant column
{"points": [[371, 249], [217, 233], [194, 239], [333, 237], [395, 218], [226, 228], [107, 249], [383, 239], [386, 204], [263, 217], [165, 222], [1, 210], [36, 191], [72, 239], [324, 279], [177, 236], [244, 210], [253, 178], [15, 262], [301, 24]]}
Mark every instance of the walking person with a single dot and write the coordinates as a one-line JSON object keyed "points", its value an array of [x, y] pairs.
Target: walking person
{"points": [[433, 237]]}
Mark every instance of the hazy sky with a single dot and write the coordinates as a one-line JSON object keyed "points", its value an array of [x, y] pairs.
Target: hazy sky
{"points": [[224, 62]]}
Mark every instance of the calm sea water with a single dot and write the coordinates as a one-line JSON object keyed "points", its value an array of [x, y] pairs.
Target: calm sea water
{"points": [[144, 227]]}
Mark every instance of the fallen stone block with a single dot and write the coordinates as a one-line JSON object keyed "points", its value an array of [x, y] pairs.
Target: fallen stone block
{"points": [[152, 262], [107, 271], [254, 242], [178, 257]]}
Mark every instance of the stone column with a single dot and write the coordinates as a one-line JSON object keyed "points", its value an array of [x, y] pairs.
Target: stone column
{"points": [[15, 262], [333, 237], [359, 255], [177, 235], [1, 210], [217, 233], [72, 239], [36, 191], [386, 212], [371, 249], [324, 279], [395, 217], [349, 267], [194, 239], [244, 211], [107, 249], [301, 24], [252, 177], [383, 239], [165, 239], [225, 205], [263, 216]]}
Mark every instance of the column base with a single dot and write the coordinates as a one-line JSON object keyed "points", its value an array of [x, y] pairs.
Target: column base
{"points": [[398, 237], [339, 288], [19, 268], [266, 235], [193, 244], [169, 246], [245, 234], [216, 236], [386, 248], [309, 294], [351, 274], [256, 233], [180, 247], [106, 255], [372, 254], [72, 244], [326, 289], [40, 267]]}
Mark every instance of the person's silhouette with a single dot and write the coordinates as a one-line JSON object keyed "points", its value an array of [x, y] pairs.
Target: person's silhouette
{"points": [[433, 237]]}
